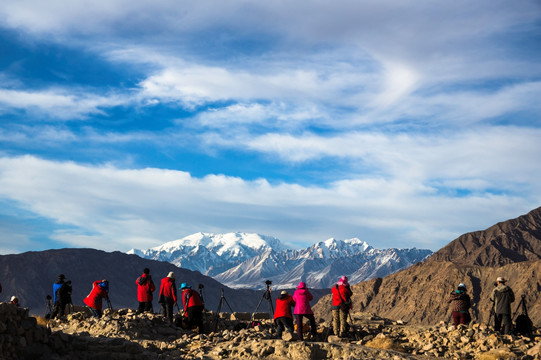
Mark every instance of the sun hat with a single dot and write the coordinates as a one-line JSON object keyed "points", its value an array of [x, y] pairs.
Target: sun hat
{"points": [[283, 292], [171, 275], [500, 279], [461, 285], [185, 286]]}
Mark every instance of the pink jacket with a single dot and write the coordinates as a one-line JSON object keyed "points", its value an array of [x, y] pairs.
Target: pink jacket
{"points": [[302, 298]]}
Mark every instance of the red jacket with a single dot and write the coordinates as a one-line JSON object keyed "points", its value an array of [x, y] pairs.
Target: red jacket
{"points": [[96, 295], [167, 289], [283, 306], [145, 288], [194, 299], [344, 291]]}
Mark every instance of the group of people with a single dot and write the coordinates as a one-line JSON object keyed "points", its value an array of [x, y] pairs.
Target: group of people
{"points": [[502, 296], [191, 300], [300, 302]]}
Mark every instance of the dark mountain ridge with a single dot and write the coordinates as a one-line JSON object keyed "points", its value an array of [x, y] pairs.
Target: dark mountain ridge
{"points": [[30, 276]]}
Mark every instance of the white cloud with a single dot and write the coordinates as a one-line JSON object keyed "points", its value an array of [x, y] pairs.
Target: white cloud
{"points": [[58, 103], [112, 208]]}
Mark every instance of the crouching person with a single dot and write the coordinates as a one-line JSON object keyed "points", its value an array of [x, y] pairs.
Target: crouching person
{"points": [[100, 290], [193, 307], [282, 316]]}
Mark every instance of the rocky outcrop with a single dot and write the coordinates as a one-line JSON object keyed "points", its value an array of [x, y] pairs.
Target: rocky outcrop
{"points": [[123, 335]]}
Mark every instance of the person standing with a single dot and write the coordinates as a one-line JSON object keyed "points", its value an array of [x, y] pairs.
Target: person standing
{"points": [[282, 315], [168, 295], [502, 296], [100, 290], [302, 298], [145, 288], [61, 296], [341, 304], [460, 305], [193, 307]]}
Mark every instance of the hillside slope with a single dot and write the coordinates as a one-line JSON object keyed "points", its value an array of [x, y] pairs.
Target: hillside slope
{"points": [[419, 294]]}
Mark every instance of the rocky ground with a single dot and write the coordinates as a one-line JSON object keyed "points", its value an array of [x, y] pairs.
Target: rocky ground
{"points": [[123, 334]]}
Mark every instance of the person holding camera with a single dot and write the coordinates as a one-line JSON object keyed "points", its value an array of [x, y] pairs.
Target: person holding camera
{"points": [[502, 296], [460, 305], [193, 307], [341, 305], [61, 296], [302, 298], [100, 290], [168, 295], [145, 288], [282, 316]]}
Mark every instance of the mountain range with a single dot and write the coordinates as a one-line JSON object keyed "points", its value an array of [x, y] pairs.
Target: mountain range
{"points": [[510, 249], [241, 260]]}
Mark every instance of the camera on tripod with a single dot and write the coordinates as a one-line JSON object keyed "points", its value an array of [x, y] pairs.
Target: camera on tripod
{"points": [[201, 286], [268, 283]]}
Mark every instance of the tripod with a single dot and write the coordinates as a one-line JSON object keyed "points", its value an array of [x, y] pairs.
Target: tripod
{"points": [[220, 304], [109, 306], [267, 296]]}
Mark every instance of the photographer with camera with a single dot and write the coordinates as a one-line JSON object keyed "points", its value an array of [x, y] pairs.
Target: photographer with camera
{"points": [[502, 296], [302, 298], [460, 305], [282, 316], [145, 288], [193, 307], [100, 290], [61, 296], [341, 305]]}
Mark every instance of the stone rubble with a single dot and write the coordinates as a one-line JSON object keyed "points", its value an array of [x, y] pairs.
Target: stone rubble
{"points": [[123, 334]]}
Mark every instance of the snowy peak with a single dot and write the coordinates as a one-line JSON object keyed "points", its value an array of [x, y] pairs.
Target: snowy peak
{"points": [[242, 260], [211, 253]]}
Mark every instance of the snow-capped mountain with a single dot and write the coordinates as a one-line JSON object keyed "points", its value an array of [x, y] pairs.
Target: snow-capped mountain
{"points": [[320, 265], [241, 260], [211, 254]]}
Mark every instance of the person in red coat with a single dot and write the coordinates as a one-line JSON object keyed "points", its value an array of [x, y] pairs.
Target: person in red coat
{"points": [[282, 315], [168, 295], [193, 307], [145, 288], [341, 304], [100, 290]]}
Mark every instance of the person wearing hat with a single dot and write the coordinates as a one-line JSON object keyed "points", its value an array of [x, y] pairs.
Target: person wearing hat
{"points": [[460, 305], [94, 300], [15, 301], [341, 305], [193, 307], [61, 296], [145, 288], [502, 296], [282, 315], [168, 295], [302, 298]]}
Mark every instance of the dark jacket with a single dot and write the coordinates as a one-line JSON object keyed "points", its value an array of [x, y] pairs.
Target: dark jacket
{"points": [[283, 306], [460, 301], [502, 296], [145, 288], [62, 291]]}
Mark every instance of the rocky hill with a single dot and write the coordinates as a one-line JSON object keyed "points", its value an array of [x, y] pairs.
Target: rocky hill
{"points": [[511, 249]]}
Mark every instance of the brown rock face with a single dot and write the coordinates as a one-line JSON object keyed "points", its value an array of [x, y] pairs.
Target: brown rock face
{"points": [[511, 249]]}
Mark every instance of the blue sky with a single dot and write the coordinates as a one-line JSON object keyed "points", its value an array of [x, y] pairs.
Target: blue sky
{"points": [[127, 124]]}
